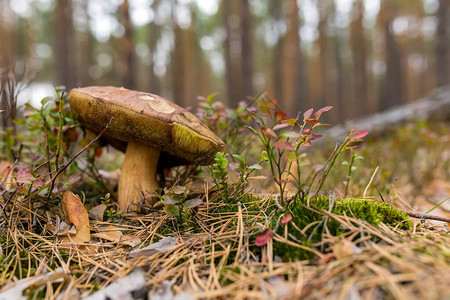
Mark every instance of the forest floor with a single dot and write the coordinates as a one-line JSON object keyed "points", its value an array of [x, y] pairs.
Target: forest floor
{"points": [[353, 241]]}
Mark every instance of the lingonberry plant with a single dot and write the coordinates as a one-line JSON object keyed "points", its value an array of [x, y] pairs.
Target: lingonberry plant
{"points": [[177, 204], [351, 168], [282, 147], [242, 171], [41, 163], [283, 143]]}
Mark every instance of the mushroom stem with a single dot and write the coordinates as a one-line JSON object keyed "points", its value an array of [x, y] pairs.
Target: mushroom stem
{"points": [[138, 176]]}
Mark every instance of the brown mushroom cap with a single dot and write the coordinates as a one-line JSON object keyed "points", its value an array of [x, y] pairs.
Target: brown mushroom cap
{"points": [[146, 119]]}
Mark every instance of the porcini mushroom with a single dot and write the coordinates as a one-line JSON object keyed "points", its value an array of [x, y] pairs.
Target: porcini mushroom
{"points": [[150, 125]]}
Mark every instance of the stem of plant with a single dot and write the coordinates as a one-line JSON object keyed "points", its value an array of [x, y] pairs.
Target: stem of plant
{"points": [[349, 176]]}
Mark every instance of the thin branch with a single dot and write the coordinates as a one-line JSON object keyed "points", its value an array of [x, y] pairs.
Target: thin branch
{"points": [[73, 158], [419, 215]]}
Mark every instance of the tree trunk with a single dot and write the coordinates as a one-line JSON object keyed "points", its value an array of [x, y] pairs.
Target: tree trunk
{"points": [[322, 41], [128, 79], [154, 35], [359, 57], [246, 53], [392, 88], [291, 60], [233, 51], [277, 65], [65, 45], [85, 59], [442, 44], [184, 64]]}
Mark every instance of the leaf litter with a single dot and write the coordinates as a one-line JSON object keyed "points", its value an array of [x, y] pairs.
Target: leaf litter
{"points": [[218, 261]]}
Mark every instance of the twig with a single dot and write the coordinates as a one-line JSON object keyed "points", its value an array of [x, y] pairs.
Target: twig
{"points": [[419, 215], [73, 158], [370, 181], [47, 150], [278, 204]]}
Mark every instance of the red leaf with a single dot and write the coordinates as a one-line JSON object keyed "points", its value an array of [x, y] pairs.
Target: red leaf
{"points": [[283, 181], [307, 114], [280, 126], [350, 147], [233, 166], [5, 172], [24, 177], [98, 151], [312, 121], [317, 168], [264, 237], [305, 144], [252, 109], [269, 132], [313, 136], [286, 219], [319, 113], [284, 145], [357, 135], [279, 114]]}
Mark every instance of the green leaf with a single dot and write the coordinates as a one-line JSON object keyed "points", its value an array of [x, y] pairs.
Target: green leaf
{"points": [[172, 210], [20, 122], [290, 135], [255, 167], [264, 156], [291, 122], [291, 156], [192, 203], [168, 200]]}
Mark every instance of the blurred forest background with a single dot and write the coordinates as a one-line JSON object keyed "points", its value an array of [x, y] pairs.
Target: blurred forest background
{"points": [[361, 56]]}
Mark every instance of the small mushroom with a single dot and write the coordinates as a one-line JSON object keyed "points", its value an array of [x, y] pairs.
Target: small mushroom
{"points": [[149, 124]]}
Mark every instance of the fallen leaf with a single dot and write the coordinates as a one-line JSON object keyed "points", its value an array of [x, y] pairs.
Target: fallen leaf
{"points": [[63, 229], [283, 289], [163, 292], [76, 214], [96, 213], [15, 290], [162, 245], [286, 219], [113, 236], [130, 240], [344, 249], [122, 288], [264, 237]]}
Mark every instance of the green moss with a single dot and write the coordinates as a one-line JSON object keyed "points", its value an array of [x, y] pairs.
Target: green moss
{"points": [[366, 211]]}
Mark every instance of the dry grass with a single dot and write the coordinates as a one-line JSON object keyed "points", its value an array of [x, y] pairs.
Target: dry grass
{"points": [[215, 257]]}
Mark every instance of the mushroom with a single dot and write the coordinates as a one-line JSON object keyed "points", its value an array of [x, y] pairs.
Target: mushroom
{"points": [[151, 126]]}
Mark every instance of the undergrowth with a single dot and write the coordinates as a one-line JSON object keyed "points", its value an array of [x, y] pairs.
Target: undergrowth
{"points": [[269, 200]]}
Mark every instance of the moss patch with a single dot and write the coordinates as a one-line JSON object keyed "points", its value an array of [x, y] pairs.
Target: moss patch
{"points": [[314, 221]]}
